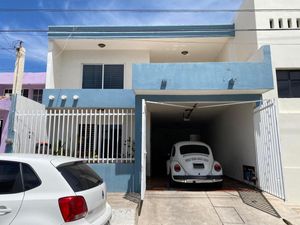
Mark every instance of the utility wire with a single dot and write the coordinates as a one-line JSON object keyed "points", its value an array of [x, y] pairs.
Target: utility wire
{"points": [[213, 30], [57, 10]]}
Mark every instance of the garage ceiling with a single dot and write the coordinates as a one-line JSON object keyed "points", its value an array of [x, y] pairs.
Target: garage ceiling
{"points": [[160, 49], [169, 113]]}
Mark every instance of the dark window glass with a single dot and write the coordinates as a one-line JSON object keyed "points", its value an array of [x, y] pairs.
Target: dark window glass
{"points": [[283, 89], [191, 149], [38, 95], [25, 93], [10, 178], [295, 88], [92, 77], [282, 75], [288, 83], [80, 176], [31, 180], [113, 76], [7, 91]]}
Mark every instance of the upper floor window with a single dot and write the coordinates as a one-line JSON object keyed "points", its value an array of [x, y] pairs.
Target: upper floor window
{"points": [[37, 95], [288, 83], [24, 92], [7, 92], [103, 77]]}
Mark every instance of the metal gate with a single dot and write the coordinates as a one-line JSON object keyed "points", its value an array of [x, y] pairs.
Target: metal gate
{"points": [[98, 135], [268, 153]]}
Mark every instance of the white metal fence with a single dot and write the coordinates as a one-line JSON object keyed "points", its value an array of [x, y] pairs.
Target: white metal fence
{"points": [[98, 135], [270, 175]]}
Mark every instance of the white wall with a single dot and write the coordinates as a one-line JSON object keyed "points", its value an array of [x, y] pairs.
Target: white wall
{"points": [[285, 48], [29, 130], [68, 72], [233, 140], [53, 64], [244, 44]]}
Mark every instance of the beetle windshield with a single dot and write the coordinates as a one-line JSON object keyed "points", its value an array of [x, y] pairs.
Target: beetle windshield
{"points": [[194, 149]]}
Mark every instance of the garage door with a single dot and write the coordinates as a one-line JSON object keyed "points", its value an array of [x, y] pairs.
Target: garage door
{"points": [[270, 176], [144, 151]]}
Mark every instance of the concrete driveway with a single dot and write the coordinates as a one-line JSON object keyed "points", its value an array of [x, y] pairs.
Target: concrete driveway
{"points": [[216, 207]]}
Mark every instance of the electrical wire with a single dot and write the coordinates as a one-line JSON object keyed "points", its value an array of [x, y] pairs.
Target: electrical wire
{"points": [[58, 10], [208, 30]]}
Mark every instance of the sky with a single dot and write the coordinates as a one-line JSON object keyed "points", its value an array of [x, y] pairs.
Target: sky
{"points": [[36, 44]]}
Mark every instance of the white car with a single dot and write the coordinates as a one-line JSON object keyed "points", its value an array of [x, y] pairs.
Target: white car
{"points": [[193, 162], [41, 189]]}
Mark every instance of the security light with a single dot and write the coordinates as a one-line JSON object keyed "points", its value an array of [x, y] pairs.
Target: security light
{"points": [[75, 97], [51, 97]]}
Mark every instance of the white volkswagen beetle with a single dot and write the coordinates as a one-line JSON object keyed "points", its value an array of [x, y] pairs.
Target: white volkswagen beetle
{"points": [[193, 162]]}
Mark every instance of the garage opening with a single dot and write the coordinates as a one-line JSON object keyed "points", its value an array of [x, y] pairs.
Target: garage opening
{"points": [[229, 128]]}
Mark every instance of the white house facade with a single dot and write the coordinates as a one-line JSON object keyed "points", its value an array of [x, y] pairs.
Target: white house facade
{"points": [[122, 96]]}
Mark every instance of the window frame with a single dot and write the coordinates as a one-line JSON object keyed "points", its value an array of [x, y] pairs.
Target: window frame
{"points": [[21, 177], [9, 91], [38, 96], [103, 72], [289, 80], [34, 172], [21, 164]]}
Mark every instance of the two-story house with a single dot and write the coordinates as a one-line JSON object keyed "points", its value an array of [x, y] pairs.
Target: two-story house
{"points": [[33, 85], [120, 97]]}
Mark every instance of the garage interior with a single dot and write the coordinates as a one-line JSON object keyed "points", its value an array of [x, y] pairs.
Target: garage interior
{"points": [[226, 126]]}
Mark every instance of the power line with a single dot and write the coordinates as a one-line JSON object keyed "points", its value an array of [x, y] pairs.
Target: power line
{"points": [[202, 30], [58, 10]]}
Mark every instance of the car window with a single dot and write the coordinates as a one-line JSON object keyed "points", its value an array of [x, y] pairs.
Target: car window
{"points": [[191, 149], [10, 178], [80, 176], [31, 180]]}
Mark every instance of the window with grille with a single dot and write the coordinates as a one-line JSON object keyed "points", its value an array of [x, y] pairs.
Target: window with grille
{"points": [[103, 77], [107, 141], [288, 83], [38, 95]]}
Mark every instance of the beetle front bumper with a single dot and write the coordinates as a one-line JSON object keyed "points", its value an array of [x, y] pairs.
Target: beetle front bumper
{"points": [[197, 179]]}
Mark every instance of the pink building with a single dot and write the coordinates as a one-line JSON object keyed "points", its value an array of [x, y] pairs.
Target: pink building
{"points": [[33, 85]]}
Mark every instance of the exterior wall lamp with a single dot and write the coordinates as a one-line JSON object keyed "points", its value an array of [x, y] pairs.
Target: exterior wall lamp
{"points": [[63, 97], [51, 97]]}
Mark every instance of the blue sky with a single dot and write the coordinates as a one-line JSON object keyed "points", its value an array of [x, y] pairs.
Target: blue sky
{"points": [[36, 43]]}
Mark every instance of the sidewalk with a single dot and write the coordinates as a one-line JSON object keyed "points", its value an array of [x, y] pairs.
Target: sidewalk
{"points": [[124, 208]]}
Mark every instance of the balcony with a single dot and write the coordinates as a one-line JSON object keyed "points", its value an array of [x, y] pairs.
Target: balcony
{"points": [[204, 78]]}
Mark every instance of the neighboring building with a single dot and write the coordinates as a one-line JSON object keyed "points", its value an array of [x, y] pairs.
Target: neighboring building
{"points": [[121, 96], [33, 85]]}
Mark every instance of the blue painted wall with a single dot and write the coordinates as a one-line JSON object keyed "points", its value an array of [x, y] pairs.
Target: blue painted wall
{"points": [[118, 177], [205, 76], [90, 98], [170, 98]]}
